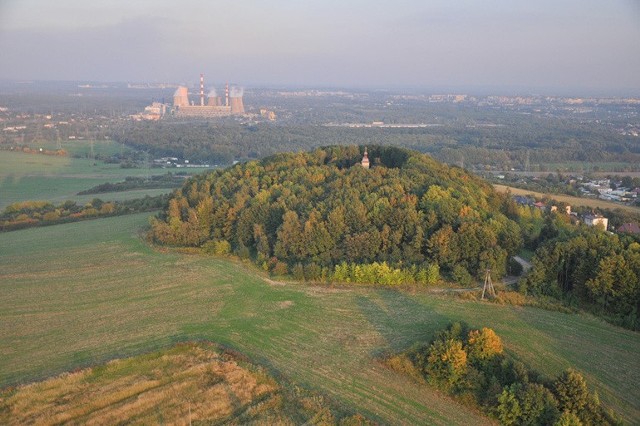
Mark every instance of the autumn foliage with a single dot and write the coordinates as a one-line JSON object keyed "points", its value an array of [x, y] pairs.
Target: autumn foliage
{"points": [[316, 210], [472, 365]]}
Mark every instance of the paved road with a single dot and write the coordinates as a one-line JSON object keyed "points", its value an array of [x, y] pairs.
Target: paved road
{"points": [[526, 265]]}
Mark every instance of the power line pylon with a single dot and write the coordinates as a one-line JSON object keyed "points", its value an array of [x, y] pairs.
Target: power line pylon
{"points": [[58, 142], [488, 285]]}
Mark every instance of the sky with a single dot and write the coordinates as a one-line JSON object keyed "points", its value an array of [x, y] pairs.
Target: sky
{"points": [[563, 45]]}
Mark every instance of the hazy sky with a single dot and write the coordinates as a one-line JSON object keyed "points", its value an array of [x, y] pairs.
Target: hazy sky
{"points": [[591, 45]]}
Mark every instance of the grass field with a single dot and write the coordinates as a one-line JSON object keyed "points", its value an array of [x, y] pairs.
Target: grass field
{"points": [[194, 382], [190, 382], [574, 201], [57, 179], [83, 293]]}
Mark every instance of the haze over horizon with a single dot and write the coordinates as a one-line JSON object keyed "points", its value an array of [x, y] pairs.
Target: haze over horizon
{"points": [[584, 46]]}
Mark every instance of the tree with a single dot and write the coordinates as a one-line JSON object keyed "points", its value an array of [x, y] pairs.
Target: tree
{"points": [[571, 391], [568, 419], [508, 410], [483, 345], [441, 247], [538, 405], [289, 242], [446, 362]]}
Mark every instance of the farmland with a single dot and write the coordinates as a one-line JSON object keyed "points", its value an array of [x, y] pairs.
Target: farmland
{"points": [[197, 382], [57, 179], [81, 294]]}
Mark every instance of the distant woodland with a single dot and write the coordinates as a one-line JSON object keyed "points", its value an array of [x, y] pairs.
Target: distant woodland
{"points": [[531, 143]]}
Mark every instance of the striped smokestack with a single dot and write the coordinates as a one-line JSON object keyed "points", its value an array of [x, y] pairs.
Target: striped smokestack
{"points": [[226, 95], [201, 89]]}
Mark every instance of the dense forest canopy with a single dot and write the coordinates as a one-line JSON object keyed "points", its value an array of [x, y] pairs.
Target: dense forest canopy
{"points": [[321, 208], [585, 265]]}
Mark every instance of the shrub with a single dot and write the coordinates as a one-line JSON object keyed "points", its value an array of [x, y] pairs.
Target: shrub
{"points": [[217, 247], [298, 272], [446, 362], [279, 268], [461, 276], [510, 298], [483, 345], [312, 271]]}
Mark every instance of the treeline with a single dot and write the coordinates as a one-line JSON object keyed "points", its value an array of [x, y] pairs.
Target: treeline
{"points": [[29, 150], [28, 214], [321, 208], [520, 140], [168, 180], [472, 365], [593, 269]]}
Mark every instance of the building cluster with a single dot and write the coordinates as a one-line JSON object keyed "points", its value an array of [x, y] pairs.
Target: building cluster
{"points": [[210, 105], [153, 112], [206, 106], [604, 189], [588, 219]]}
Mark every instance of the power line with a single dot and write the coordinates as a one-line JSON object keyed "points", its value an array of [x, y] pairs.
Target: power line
{"points": [[488, 285]]}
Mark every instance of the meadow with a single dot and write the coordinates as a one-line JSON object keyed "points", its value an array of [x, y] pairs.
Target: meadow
{"points": [[195, 382], [57, 179], [80, 294], [148, 389]]}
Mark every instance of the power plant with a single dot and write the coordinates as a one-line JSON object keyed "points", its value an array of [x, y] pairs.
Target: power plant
{"points": [[214, 105]]}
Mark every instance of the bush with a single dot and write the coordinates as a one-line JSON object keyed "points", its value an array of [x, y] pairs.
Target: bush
{"points": [[446, 362], [461, 276], [279, 268], [510, 298], [298, 272], [217, 247], [312, 272]]}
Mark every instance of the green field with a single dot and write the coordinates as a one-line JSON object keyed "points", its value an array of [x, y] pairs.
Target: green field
{"points": [[82, 293], [57, 179]]}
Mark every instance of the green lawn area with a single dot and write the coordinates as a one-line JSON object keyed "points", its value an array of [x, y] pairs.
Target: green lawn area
{"points": [[82, 293], [57, 179]]}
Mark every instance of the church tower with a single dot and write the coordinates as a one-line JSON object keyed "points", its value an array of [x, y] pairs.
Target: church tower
{"points": [[365, 159]]}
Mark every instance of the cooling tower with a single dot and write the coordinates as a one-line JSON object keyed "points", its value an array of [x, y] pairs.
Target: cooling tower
{"points": [[236, 105], [181, 97]]}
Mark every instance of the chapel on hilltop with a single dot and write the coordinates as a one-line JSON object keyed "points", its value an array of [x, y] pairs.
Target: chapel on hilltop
{"points": [[365, 159]]}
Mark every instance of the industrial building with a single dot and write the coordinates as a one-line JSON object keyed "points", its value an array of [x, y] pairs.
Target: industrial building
{"points": [[214, 106]]}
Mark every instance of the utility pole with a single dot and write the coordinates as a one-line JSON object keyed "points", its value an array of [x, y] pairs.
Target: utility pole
{"points": [[488, 285], [58, 143]]}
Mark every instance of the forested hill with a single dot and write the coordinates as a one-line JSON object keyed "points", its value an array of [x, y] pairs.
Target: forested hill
{"points": [[322, 208]]}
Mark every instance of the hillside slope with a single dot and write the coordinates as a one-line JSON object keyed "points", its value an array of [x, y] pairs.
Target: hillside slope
{"points": [[80, 294]]}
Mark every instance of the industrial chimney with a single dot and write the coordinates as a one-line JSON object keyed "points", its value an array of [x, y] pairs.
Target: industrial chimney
{"points": [[226, 95], [201, 89]]}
